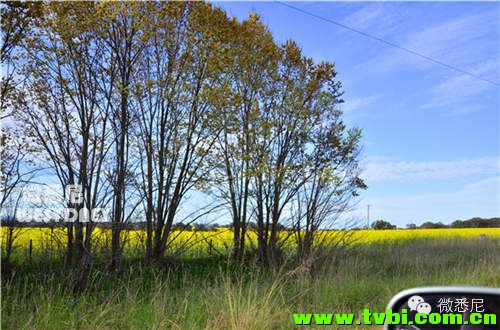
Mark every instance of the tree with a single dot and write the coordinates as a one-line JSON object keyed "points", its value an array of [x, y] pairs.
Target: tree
{"points": [[476, 223], [382, 224], [119, 33], [181, 65], [333, 181], [278, 102], [432, 225], [299, 105], [15, 23], [64, 114], [236, 159], [15, 172]]}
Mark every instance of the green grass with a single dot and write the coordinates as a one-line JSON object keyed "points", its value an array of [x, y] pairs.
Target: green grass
{"points": [[209, 293]]}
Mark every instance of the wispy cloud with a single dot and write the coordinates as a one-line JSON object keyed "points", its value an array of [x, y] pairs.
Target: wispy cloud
{"points": [[432, 170], [447, 40], [361, 103], [378, 18], [459, 93], [459, 41]]}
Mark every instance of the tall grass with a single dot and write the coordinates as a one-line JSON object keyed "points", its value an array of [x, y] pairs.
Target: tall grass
{"points": [[212, 294]]}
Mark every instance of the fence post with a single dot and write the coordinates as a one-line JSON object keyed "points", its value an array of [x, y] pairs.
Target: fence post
{"points": [[31, 249]]}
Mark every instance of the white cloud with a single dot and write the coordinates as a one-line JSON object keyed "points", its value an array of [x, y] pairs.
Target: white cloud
{"points": [[361, 103], [457, 92], [375, 18], [459, 42], [431, 170], [448, 40]]}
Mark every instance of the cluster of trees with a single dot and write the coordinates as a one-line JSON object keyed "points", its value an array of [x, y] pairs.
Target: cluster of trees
{"points": [[471, 223], [382, 224], [143, 103]]}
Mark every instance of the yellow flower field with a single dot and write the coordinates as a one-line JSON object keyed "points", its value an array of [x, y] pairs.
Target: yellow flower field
{"points": [[219, 241]]}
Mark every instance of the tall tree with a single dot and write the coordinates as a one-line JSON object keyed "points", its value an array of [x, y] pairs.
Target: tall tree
{"points": [[300, 102], [333, 182], [65, 116], [255, 57], [287, 114], [120, 32], [181, 67]]}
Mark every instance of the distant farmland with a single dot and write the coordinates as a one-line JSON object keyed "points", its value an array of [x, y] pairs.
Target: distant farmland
{"points": [[218, 242]]}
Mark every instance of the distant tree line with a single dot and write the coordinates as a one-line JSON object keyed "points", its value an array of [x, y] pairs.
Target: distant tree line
{"points": [[471, 223], [252, 226]]}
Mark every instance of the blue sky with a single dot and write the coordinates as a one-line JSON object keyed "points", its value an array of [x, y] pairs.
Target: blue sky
{"points": [[431, 134]]}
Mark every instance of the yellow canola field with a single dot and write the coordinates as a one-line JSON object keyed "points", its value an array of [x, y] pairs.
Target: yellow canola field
{"points": [[398, 235], [220, 240]]}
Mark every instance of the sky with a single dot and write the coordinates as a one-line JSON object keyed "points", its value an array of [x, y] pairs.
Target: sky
{"points": [[430, 133]]}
